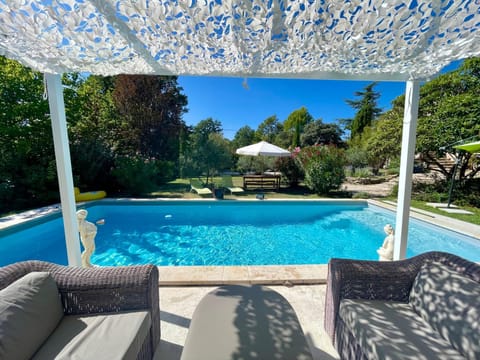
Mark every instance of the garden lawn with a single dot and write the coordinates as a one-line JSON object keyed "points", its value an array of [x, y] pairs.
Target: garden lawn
{"points": [[474, 218], [180, 188]]}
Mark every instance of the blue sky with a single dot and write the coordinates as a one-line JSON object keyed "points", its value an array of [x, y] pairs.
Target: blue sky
{"points": [[234, 105]]}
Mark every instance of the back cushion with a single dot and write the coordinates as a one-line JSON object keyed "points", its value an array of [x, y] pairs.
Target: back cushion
{"points": [[450, 303], [30, 309]]}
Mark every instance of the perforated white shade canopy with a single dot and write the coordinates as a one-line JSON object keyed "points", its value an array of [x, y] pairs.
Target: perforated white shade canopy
{"points": [[329, 39]]}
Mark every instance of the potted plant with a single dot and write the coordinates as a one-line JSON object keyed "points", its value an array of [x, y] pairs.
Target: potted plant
{"points": [[218, 191]]}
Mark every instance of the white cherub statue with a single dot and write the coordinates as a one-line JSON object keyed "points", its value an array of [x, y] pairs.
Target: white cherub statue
{"points": [[386, 250], [88, 231]]}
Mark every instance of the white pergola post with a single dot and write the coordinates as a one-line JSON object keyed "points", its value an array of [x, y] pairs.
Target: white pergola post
{"points": [[406, 168], [64, 167]]}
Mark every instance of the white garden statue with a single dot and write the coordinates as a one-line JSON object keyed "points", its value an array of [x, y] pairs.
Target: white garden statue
{"points": [[88, 231], [385, 251]]}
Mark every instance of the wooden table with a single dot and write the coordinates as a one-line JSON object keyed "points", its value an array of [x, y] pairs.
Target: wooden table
{"points": [[261, 182]]}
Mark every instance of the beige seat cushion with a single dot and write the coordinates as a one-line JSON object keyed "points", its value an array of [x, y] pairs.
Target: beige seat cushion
{"points": [[450, 303], [30, 308], [392, 330], [100, 337], [245, 322]]}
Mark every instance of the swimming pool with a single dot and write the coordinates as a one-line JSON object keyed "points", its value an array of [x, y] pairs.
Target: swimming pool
{"points": [[233, 233]]}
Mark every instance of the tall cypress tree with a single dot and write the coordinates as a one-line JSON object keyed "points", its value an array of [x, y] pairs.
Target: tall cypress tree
{"points": [[367, 110]]}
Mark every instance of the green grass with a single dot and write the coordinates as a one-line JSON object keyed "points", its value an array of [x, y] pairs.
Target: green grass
{"points": [[180, 189], [474, 218], [177, 189]]}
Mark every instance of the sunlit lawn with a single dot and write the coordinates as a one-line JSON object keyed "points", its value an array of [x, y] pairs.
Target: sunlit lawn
{"points": [[180, 189], [474, 218]]}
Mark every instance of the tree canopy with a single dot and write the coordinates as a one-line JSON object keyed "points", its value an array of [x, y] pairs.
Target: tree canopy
{"points": [[296, 122], [367, 110], [243, 137], [152, 107], [319, 133], [269, 129], [209, 150], [113, 124], [449, 111], [27, 168]]}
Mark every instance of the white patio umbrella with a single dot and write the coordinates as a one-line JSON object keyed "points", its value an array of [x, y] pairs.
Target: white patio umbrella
{"points": [[263, 148]]}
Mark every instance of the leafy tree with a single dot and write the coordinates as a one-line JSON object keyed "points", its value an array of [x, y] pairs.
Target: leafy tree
{"points": [[449, 111], [210, 151], [296, 122], [27, 169], [184, 165], [108, 118], [95, 132], [269, 129], [382, 140], [244, 136], [258, 164], [217, 154], [152, 107], [92, 113], [206, 127], [138, 175], [73, 102], [356, 157], [367, 110], [319, 133]]}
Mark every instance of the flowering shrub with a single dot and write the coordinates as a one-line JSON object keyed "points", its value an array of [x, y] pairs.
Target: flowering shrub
{"points": [[290, 169], [323, 167]]}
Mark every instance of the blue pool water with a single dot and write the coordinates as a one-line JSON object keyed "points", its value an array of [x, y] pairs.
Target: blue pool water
{"points": [[233, 233]]}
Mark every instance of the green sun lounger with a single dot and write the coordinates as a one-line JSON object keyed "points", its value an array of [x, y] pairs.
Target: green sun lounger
{"points": [[227, 183], [198, 187]]}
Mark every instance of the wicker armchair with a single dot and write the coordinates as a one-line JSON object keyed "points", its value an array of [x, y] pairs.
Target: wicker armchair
{"points": [[100, 290], [374, 280]]}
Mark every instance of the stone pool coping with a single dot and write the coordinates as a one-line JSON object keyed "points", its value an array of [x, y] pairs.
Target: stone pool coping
{"points": [[222, 275], [442, 221]]}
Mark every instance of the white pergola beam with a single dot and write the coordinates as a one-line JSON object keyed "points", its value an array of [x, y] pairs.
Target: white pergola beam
{"points": [[409, 131], [64, 167]]}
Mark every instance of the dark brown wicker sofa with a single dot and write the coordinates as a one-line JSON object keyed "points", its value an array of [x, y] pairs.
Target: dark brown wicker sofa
{"points": [[425, 307], [97, 313]]}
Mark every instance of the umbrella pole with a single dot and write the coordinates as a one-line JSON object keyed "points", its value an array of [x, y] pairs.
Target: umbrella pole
{"points": [[452, 183]]}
